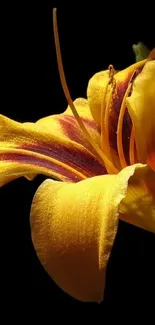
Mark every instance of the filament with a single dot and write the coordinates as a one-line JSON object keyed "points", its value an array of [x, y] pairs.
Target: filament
{"points": [[98, 152]]}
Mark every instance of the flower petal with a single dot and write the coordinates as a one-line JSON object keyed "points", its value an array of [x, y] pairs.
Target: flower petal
{"points": [[27, 149], [73, 229], [18, 163], [67, 125], [138, 207], [141, 106], [95, 92]]}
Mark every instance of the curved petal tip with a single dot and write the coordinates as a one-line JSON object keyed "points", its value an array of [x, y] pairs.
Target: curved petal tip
{"points": [[73, 229]]}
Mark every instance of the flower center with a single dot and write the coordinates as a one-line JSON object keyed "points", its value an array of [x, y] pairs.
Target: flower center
{"points": [[105, 113]]}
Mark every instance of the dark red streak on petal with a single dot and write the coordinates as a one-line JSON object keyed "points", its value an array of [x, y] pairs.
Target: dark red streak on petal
{"points": [[71, 129], [20, 158], [81, 160], [89, 123]]}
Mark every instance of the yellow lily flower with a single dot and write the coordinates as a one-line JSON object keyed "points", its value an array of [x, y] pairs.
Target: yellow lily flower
{"points": [[100, 156]]}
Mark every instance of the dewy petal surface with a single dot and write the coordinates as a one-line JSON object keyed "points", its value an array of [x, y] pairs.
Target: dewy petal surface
{"points": [[73, 229], [141, 107], [53, 146]]}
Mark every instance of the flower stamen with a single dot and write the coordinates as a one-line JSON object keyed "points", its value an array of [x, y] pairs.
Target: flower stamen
{"points": [[107, 111], [120, 126], [104, 145], [100, 155], [132, 148]]}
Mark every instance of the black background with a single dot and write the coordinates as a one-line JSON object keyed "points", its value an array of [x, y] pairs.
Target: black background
{"points": [[92, 37]]}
